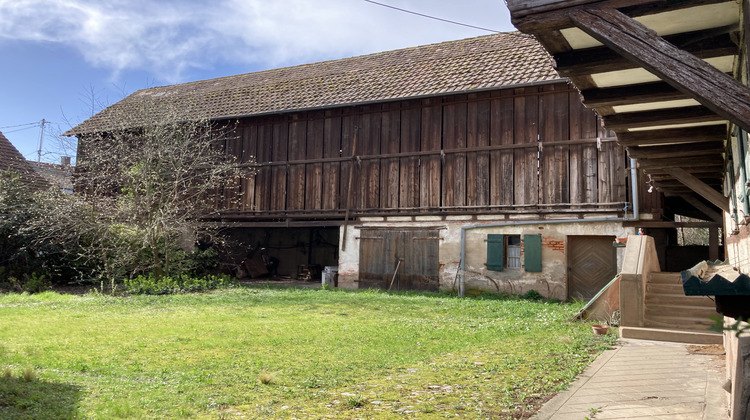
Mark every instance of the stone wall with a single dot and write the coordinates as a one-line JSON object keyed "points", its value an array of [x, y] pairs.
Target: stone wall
{"points": [[473, 231]]}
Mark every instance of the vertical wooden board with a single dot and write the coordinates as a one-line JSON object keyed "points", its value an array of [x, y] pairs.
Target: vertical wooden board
{"points": [[265, 173], [502, 162], [454, 168], [553, 126], [409, 185], [279, 173], [314, 171], [430, 165], [605, 172], [590, 159], [375, 250], [296, 173], [369, 145], [576, 155], [562, 153], [419, 253], [332, 170], [478, 163], [526, 125], [389, 167], [620, 174], [249, 153], [233, 147], [350, 123]]}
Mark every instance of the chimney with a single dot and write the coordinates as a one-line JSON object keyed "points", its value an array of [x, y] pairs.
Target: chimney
{"points": [[65, 160]]}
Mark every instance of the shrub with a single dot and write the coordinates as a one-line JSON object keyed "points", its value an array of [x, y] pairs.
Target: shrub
{"points": [[161, 285]]}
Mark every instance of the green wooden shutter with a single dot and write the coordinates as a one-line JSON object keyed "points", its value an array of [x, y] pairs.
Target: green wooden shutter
{"points": [[495, 254], [532, 253]]}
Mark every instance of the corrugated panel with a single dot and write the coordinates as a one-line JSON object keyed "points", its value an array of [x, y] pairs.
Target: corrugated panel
{"points": [[495, 254], [532, 248]]}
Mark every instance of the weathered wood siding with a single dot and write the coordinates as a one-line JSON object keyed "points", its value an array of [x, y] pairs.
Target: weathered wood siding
{"points": [[505, 150]]}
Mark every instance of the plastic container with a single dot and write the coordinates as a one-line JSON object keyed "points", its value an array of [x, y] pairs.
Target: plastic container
{"points": [[330, 276]]}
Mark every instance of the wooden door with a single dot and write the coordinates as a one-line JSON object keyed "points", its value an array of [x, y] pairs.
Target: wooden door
{"points": [[592, 263], [398, 259]]}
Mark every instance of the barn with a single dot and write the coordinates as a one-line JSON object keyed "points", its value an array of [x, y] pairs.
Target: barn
{"points": [[468, 165]]}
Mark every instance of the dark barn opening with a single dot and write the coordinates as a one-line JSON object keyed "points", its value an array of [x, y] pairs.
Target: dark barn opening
{"points": [[283, 253]]}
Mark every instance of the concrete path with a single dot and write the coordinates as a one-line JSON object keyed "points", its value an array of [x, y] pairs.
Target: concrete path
{"points": [[646, 380]]}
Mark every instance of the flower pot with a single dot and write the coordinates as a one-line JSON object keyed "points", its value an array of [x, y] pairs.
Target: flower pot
{"points": [[599, 329]]}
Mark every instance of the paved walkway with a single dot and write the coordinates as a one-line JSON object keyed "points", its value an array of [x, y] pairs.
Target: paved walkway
{"points": [[646, 380]]}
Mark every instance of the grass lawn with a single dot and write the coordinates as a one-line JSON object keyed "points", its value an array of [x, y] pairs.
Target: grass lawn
{"points": [[284, 353]]}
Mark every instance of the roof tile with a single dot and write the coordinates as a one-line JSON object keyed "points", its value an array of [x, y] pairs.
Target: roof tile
{"points": [[491, 61]]}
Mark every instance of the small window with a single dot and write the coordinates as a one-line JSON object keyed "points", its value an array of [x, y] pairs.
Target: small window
{"points": [[504, 251], [513, 251]]}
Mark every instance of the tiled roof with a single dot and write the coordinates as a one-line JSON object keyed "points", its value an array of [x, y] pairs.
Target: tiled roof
{"points": [[58, 175], [485, 62], [12, 159]]}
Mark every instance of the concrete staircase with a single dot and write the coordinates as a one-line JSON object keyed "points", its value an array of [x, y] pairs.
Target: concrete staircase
{"points": [[669, 315]]}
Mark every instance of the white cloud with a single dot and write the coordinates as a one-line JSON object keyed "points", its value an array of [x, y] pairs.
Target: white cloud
{"points": [[168, 38]]}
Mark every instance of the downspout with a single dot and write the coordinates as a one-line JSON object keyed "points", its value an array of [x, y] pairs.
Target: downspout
{"points": [[743, 196], [634, 188], [462, 262]]}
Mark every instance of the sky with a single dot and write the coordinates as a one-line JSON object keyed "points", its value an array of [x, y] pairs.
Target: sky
{"points": [[63, 60]]}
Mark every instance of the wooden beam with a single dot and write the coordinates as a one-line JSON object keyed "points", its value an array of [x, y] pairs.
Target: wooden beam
{"points": [[702, 44], [631, 95], [717, 133], [533, 16], [715, 90], [666, 163], [681, 150], [707, 210], [658, 224], [705, 191], [645, 119], [702, 169]]}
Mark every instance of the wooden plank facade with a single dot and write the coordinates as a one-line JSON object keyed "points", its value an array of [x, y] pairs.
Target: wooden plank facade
{"points": [[526, 149]]}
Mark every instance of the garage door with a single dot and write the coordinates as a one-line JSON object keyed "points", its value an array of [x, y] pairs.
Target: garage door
{"points": [[399, 259]]}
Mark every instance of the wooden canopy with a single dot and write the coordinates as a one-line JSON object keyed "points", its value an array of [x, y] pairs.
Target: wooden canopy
{"points": [[662, 74]]}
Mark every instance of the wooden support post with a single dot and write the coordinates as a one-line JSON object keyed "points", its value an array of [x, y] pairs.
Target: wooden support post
{"points": [[713, 244], [695, 184], [349, 188], [685, 72]]}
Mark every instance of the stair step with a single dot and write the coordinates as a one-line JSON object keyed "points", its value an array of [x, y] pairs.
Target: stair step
{"points": [[679, 311], [677, 322], [665, 278], [680, 300], [667, 289], [672, 335]]}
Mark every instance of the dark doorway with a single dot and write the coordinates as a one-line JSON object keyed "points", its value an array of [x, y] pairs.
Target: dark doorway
{"points": [[399, 259], [295, 251], [592, 263]]}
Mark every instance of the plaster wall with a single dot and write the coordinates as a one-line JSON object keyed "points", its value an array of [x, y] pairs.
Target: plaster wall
{"points": [[738, 372], [550, 282]]}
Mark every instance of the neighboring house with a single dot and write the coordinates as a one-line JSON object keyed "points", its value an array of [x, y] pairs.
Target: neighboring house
{"points": [[60, 175], [462, 165], [11, 159], [670, 79]]}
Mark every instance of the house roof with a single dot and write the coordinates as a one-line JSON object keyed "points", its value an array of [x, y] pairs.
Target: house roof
{"points": [[481, 63], [58, 175], [12, 159], [657, 73]]}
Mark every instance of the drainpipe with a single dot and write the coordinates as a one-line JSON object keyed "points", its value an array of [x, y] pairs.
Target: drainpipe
{"points": [[461, 265], [634, 188]]}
